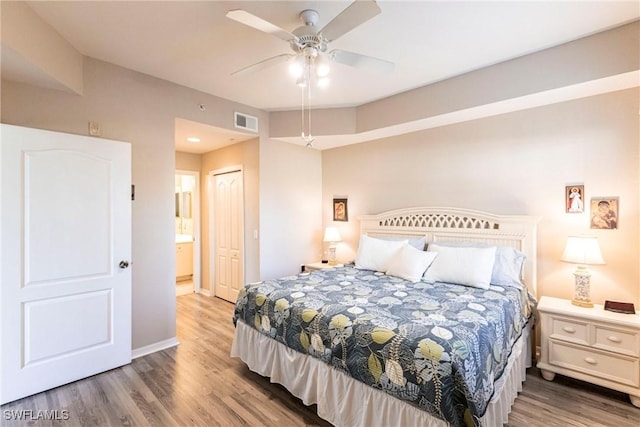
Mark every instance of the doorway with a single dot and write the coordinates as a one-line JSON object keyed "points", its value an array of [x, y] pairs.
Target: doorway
{"points": [[187, 231]]}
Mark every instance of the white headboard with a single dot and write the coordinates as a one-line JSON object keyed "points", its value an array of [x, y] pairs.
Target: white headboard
{"points": [[455, 225]]}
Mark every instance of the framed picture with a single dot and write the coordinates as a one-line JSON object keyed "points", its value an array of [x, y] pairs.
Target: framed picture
{"points": [[604, 213], [340, 210], [574, 198]]}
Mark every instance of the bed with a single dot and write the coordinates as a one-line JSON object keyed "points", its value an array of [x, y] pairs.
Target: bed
{"points": [[405, 347]]}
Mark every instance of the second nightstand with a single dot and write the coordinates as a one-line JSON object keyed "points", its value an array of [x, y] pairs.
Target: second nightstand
{"points": [[314, 266], [590, 344]]}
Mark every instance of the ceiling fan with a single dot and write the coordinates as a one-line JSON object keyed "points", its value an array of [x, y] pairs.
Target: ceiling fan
{"points": [[310, 43]]}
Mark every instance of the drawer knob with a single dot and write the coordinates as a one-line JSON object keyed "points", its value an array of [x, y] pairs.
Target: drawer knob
{"points": [[569, 329], [614, 338], [591, 360]]}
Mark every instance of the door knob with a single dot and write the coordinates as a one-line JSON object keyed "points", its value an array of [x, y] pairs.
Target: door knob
{"points": [[124, 264]]}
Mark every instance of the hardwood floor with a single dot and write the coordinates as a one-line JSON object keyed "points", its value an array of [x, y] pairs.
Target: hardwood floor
{"points": [[198, 384]]}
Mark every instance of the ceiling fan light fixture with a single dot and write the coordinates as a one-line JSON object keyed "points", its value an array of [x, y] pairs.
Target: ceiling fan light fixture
{"points": [[309, 64], [310, 42], [296, 67], [322, 66]]}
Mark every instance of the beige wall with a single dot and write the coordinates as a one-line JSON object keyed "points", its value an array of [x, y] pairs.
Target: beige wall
{"points": [[517, 163], [188, 161], [602, 62], [290, 208], [42, 53], [599, 56], [330, 121], [245, 154]]}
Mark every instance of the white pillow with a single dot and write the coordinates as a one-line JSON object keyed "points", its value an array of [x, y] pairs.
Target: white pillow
{"points": [[418, 243], [507, 267], [410, 263], [462, 265], [374, 254]]}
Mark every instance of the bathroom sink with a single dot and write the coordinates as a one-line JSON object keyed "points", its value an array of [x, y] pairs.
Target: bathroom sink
{"points": [[184, 238]]}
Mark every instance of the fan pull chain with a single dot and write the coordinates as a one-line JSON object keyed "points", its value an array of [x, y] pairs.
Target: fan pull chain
{"points": [[302, 114], [310, 142], [306, 137]]}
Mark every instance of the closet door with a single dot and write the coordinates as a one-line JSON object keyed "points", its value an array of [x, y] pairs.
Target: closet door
{"points": [[229, 235]]}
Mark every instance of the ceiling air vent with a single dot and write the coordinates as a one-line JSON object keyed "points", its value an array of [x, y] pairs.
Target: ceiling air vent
{"points": [[246, 122]]}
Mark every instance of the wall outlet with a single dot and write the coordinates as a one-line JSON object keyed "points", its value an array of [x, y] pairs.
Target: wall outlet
{"points": [[94, 129]]}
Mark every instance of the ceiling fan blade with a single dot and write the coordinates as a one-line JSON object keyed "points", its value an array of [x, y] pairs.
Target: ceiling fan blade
{"points": [[358, 12], [361, 61], [246, 18], [263, 64]]}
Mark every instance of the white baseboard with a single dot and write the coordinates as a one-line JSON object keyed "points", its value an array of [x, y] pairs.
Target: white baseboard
{"points": [[152, 348], [205, 292]]}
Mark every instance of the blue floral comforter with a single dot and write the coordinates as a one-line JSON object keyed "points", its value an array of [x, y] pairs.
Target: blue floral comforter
{"points": [[439, 346]]}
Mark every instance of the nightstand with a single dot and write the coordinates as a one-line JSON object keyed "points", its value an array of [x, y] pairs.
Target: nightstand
{"points": [[314, 266], [590, 344]]}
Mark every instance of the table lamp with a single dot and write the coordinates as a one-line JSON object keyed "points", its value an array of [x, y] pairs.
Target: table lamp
{"points": [[582, 250], [332, 236]]}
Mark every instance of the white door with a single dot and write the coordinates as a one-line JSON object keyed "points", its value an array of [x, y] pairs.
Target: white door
{"points": [[229, 235], [65, 290]]}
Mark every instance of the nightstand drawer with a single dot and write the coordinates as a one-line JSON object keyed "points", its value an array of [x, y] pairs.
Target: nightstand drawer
{"points": [[617, 340], [621, 369], [569, 330]]}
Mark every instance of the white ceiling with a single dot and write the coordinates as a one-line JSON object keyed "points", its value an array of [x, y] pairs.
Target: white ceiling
{"points": [[192, 43], [211, 137]]}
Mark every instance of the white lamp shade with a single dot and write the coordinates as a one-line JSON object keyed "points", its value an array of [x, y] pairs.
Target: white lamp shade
{"points": [[331, 234], [582, 250]]}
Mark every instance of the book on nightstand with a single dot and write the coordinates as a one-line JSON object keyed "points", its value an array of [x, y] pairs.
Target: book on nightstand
{"points": [[620, 307]]}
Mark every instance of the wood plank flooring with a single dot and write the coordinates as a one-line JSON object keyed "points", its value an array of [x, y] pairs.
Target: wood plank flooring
{"points": [[198, 384]]}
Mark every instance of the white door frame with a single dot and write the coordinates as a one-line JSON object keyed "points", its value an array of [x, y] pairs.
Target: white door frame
{"points": [[197, 247], [212, 245]]}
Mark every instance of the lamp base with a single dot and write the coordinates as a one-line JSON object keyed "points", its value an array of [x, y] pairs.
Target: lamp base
{"points": [[332, 255], [582, 303], [582, 290]]}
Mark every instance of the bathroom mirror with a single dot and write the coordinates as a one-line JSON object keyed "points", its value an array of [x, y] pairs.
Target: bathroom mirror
{"points": [[186, 205], [183, 205], [185, 186]]}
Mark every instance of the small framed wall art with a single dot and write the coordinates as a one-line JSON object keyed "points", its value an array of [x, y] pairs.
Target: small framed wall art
{"points": [[574, 198], [604, 213], [340, 212]]}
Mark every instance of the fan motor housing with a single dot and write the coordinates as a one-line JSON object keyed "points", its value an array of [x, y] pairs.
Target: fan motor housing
{"points": [[308, 35], [314, 41]]}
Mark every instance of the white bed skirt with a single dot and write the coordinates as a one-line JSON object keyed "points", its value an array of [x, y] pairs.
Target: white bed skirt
{"points": [[344, 401]]}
